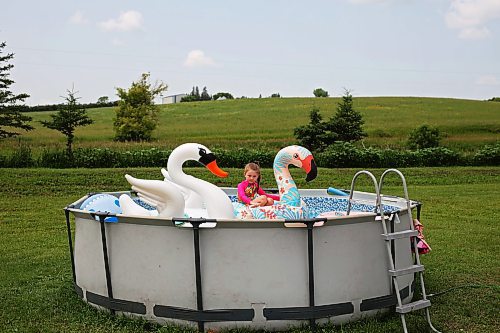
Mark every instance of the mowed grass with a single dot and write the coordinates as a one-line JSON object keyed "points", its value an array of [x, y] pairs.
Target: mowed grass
{"points": [[465, 125], [460, 213]]}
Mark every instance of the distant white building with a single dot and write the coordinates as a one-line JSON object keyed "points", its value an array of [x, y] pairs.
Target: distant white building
{"points": [[173, 99]]}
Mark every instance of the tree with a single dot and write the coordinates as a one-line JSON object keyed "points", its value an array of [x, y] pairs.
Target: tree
{"points": [[320, 92], [314, 135], [137, 115], [204, 95], [68, 118], [345, 126], [347, 123], [10, 116], [424, 137], [103, 100], [222, 94]]}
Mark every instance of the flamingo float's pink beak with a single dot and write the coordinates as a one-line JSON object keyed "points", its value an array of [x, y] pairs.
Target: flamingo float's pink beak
{"points": [[310, 168]]}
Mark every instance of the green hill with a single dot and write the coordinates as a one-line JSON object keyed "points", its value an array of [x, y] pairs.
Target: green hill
{"points": [[269, 122]]}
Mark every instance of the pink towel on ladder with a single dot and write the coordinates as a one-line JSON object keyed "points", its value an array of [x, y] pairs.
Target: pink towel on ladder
{"points": [[422, 245]]}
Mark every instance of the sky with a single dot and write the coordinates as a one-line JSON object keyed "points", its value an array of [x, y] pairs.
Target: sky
{"points": [[428, 48]]}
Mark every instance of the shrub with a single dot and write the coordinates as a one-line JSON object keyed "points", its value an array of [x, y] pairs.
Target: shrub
{"points": [[488, 155], [56, 159], [21, 158], [239, 157], [438, 156], [424, 137], [339, 155]]}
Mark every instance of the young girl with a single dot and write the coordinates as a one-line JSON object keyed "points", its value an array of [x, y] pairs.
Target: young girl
{"points": [[249, 191]]}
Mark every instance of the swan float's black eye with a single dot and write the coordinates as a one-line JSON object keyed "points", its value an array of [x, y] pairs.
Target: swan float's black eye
{"points": [[205, 157], [296, 156]]}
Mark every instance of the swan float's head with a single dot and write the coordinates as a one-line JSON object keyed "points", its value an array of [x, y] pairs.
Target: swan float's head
{"points": [[300, 157], [196, 152]]}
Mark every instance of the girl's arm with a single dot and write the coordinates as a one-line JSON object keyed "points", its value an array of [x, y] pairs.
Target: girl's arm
{"points": [[241, 192], [260, 191]]}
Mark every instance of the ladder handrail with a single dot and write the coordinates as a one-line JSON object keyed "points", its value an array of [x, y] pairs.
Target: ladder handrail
{"points": [[377, 191], [414, 242], [405, 189]]}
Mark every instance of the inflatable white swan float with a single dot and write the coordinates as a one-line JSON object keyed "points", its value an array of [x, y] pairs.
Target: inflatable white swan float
{"points": [[290, 205], [171, 196]]}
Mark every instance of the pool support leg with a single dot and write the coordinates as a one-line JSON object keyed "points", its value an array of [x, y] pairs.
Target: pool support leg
{"points": [[106, 260], [310, 261], [78, 290], [197, 264]]}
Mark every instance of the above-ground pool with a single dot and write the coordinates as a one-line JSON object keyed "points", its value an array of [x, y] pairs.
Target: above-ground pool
{"points": [[262, 274]]}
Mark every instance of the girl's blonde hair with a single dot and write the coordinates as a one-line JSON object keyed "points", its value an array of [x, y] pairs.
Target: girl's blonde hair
{"points": [[254, 167], [251, 166]]}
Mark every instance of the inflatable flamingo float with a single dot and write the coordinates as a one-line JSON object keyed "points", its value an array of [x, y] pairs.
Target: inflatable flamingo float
{"points": [[290, 205]]}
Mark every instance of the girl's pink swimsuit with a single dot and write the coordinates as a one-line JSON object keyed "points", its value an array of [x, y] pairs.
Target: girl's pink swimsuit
{"points": [[248, 191]]}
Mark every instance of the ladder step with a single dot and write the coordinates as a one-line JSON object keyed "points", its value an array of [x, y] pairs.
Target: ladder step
{"points": [[405, 271], [413, 306], [400, 234]]}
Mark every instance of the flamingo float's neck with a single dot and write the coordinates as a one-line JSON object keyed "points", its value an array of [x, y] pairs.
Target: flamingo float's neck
{"points": [[289, 194]]}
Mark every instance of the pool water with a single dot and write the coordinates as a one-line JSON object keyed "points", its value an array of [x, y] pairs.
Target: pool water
{"points": [[317, 205]]}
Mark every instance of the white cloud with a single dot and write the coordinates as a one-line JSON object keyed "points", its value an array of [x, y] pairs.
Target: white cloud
{"points": [[470, 17], [127, 21], [487, 80], [474, 33], [197, 58], [78, 18]]}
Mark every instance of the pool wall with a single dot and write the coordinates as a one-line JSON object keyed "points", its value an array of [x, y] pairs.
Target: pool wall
{"points": [[258, 274]]}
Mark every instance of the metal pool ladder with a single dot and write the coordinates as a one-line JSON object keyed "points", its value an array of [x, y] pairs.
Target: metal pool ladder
{"points": [[417, 268]]}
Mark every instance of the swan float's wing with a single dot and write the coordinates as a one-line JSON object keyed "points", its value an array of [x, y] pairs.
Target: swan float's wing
{"points": [[130, 207], [192, 199], [165, 196]]}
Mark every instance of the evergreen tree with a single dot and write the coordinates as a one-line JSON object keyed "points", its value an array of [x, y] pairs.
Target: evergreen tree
{"points": [[9, 114], [346, 123], [68, 118], [137, 116], [314, 135], [204, 95]]}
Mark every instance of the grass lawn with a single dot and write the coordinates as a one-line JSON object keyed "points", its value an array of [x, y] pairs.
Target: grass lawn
{"points": [[461, 210]]}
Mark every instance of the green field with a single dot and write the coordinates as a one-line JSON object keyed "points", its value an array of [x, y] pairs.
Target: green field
{"points": [[461, 210], [465, 125]]}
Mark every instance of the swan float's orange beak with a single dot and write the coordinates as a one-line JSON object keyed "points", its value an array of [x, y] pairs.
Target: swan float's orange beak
{"points": [[208, 160], [214, 168], [310, 168]]}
